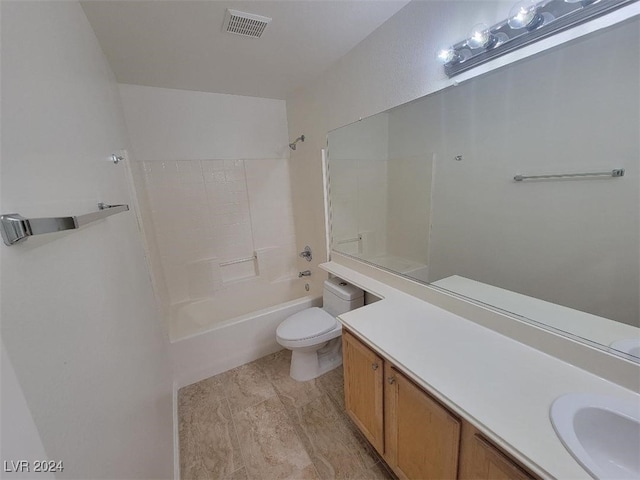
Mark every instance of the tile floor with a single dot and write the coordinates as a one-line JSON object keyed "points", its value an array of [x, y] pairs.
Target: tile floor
{"points": [[255, 422]]}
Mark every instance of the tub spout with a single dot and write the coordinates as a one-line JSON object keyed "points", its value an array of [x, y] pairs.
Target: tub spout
{"points": [[306, 273]]}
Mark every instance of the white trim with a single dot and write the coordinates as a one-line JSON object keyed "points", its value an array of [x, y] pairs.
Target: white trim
{"points": [[327, 207], [176, 434]]}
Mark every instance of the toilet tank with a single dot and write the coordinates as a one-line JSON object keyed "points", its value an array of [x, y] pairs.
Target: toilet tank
{"points": [[340, 296]]}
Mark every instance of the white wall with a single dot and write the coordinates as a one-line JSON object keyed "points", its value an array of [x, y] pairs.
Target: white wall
{"points": [[215, 177], [79, 322], [19, 434], [167, 125]]}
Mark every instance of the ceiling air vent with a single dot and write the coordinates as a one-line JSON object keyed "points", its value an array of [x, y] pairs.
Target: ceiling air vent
{"points": [[246, 24]]}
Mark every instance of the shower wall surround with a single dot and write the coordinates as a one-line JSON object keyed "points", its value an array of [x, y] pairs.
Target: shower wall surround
{"points": [[208, 214], [212, 174]]}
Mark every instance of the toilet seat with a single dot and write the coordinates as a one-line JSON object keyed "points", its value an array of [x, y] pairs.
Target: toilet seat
{"points": [[309, 323]]}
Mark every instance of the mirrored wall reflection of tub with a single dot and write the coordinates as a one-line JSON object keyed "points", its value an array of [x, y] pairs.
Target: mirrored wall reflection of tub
{"points": [[216, 338]]}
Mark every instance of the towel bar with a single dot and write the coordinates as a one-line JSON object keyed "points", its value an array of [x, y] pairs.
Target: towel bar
{"points": [[618, 172], [15, 228]]}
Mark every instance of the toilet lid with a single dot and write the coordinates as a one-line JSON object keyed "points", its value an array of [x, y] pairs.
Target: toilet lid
{"points": [[308, 323]]}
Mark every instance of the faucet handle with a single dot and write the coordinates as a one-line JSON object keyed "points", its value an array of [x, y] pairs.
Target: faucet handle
{"points": [[306, 253]]}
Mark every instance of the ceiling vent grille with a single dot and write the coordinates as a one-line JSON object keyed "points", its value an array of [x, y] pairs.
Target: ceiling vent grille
{"points": [[246, 24]]}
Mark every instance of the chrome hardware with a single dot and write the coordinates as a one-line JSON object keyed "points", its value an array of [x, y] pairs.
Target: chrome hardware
{"points": [[374, 366], [15, 228], [391, 380], [306, 253], [116, 158], [617, 172], [307, 287], [548, 18], [306, 273], [292, 145]]}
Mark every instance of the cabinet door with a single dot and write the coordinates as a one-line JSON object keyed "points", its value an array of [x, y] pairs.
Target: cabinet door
{"points": [[423, 437], [363, 382], [481, 460]]}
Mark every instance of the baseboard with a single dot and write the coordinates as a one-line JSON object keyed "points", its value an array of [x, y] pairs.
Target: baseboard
{"points": [[176, 434]]}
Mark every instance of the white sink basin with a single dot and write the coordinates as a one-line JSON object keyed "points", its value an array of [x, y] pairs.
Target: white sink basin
{"points": [[627, 345], [602, 433]]}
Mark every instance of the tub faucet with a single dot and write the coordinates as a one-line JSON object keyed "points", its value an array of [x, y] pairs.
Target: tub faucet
{"points": [[306, 253], [306, 273]]}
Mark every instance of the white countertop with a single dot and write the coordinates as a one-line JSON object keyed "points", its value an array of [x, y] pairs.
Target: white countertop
{"points": [[503, 387]]}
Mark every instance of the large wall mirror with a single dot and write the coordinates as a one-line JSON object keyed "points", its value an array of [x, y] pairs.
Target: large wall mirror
{"points": [[427, 189]]}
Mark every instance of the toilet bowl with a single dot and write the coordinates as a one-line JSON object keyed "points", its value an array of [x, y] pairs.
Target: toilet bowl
{"points": [[314, 334]]}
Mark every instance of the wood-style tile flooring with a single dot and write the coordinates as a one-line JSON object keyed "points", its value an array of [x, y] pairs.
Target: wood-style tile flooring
{"points": [[256, 422]]}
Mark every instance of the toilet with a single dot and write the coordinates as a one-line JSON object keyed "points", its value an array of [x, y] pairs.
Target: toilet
{"points": [[313, 335]]}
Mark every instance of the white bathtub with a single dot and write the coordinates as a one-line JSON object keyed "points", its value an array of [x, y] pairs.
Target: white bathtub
{"points": [[226, 343]]}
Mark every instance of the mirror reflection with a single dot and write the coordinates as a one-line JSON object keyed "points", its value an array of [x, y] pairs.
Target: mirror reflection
{"points": [[427, 189]]}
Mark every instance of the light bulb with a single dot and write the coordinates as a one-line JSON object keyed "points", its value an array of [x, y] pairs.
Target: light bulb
{"points": [[523, 14], [479, 37], [447, 55]]}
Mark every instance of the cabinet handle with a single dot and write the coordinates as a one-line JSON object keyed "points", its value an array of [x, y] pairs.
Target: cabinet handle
{"points": [[391, 380], [374, 366]]}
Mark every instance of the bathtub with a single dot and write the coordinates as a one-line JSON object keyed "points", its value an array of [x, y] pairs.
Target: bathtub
{"points": [[208, 347]]}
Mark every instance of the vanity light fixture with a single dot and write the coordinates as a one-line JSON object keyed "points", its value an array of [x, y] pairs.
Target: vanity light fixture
{"points": [[528, 22], [525, 14], [448, 55]]}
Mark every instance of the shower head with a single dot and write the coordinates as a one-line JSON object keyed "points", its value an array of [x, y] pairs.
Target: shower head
{"points": [[292, 146]]}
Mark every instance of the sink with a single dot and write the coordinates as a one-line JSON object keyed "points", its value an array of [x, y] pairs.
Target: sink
{"points": [[627, 345], [601, 432]]}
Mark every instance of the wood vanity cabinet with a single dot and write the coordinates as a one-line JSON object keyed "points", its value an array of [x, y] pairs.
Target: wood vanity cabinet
{"points": [[480, 459], [422, 437], [363, 388], [417, 436]]}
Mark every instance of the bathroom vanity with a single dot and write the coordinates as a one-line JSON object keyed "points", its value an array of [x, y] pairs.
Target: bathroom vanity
{"points": [[417, 435], [441, 396]]}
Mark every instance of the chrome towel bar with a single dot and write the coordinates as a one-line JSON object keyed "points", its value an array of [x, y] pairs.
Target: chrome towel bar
{"points": [[15, 228], [618, 172]]}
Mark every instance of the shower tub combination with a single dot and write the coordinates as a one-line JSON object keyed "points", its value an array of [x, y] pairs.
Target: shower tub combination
{"points": [[212, 335]]}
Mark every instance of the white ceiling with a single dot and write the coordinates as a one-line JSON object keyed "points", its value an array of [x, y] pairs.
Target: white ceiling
{"points": [[180, 43]]}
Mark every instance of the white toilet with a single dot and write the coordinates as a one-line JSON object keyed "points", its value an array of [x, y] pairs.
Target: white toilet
{"points": [[313, 335]]}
